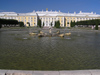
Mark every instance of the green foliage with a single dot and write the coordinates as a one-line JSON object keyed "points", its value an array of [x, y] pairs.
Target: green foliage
{"points": [[51, 24], [39, 23], [43, 24], [57, 24], [21, 24], [9, 22], [88, 22], [72, 24]]}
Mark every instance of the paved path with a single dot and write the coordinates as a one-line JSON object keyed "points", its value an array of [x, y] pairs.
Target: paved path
{"points": [[26, 72]]}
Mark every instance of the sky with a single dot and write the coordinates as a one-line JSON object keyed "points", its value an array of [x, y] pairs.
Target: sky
{"points": [[25, 6]]}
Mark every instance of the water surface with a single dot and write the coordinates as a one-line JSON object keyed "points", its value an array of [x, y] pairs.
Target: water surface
{"points": [[19, 50]]}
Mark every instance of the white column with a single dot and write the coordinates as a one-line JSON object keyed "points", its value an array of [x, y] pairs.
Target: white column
{"points": [[42, 21], [30, 21], [63, 21], [36, 21], [45, 21], [48, 21], [53, 21]]}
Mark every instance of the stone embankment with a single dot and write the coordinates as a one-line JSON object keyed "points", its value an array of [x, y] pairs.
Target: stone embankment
{"points": [[73, 72]]}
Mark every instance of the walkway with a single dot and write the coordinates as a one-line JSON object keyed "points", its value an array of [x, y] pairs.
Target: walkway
{"points": [[73, 72]]}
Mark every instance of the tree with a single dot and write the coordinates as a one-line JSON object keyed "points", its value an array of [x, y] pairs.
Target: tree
{"points": [[97, 22], [71, 24], [57, 24], [21, 24], [39, 23], [9, 22], [89, 22], [51, 24], [43, 24]]}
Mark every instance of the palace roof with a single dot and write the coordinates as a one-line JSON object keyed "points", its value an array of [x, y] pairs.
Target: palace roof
{"points": [[51, 13]]}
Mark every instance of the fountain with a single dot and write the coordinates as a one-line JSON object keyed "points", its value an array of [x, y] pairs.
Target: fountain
{"points": [[41, 33]]}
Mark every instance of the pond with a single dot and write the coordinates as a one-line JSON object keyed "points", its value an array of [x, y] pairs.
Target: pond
{"points": [[19, 50]]}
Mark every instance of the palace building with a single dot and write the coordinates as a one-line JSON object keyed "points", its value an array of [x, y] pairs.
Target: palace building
{"points": [[49, 17]]}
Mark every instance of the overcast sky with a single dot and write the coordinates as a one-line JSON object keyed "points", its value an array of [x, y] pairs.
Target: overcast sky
{"points": [[24, 6]]}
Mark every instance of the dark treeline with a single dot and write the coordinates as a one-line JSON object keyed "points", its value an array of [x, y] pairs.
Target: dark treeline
{"points": [[10, 23], [87, 23]]}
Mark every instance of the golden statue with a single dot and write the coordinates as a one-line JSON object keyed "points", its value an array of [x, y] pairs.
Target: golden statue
{"points": [[46, 9]]}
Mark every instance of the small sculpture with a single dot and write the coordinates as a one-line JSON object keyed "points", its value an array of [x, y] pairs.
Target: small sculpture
{"points": [[68, 34], [61, 35]]}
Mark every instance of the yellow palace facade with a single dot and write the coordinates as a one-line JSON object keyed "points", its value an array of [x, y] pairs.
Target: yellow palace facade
{"points": [[49, 17]]}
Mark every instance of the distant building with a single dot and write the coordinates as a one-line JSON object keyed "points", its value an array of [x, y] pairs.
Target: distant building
{"points": [[49, 16]]}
